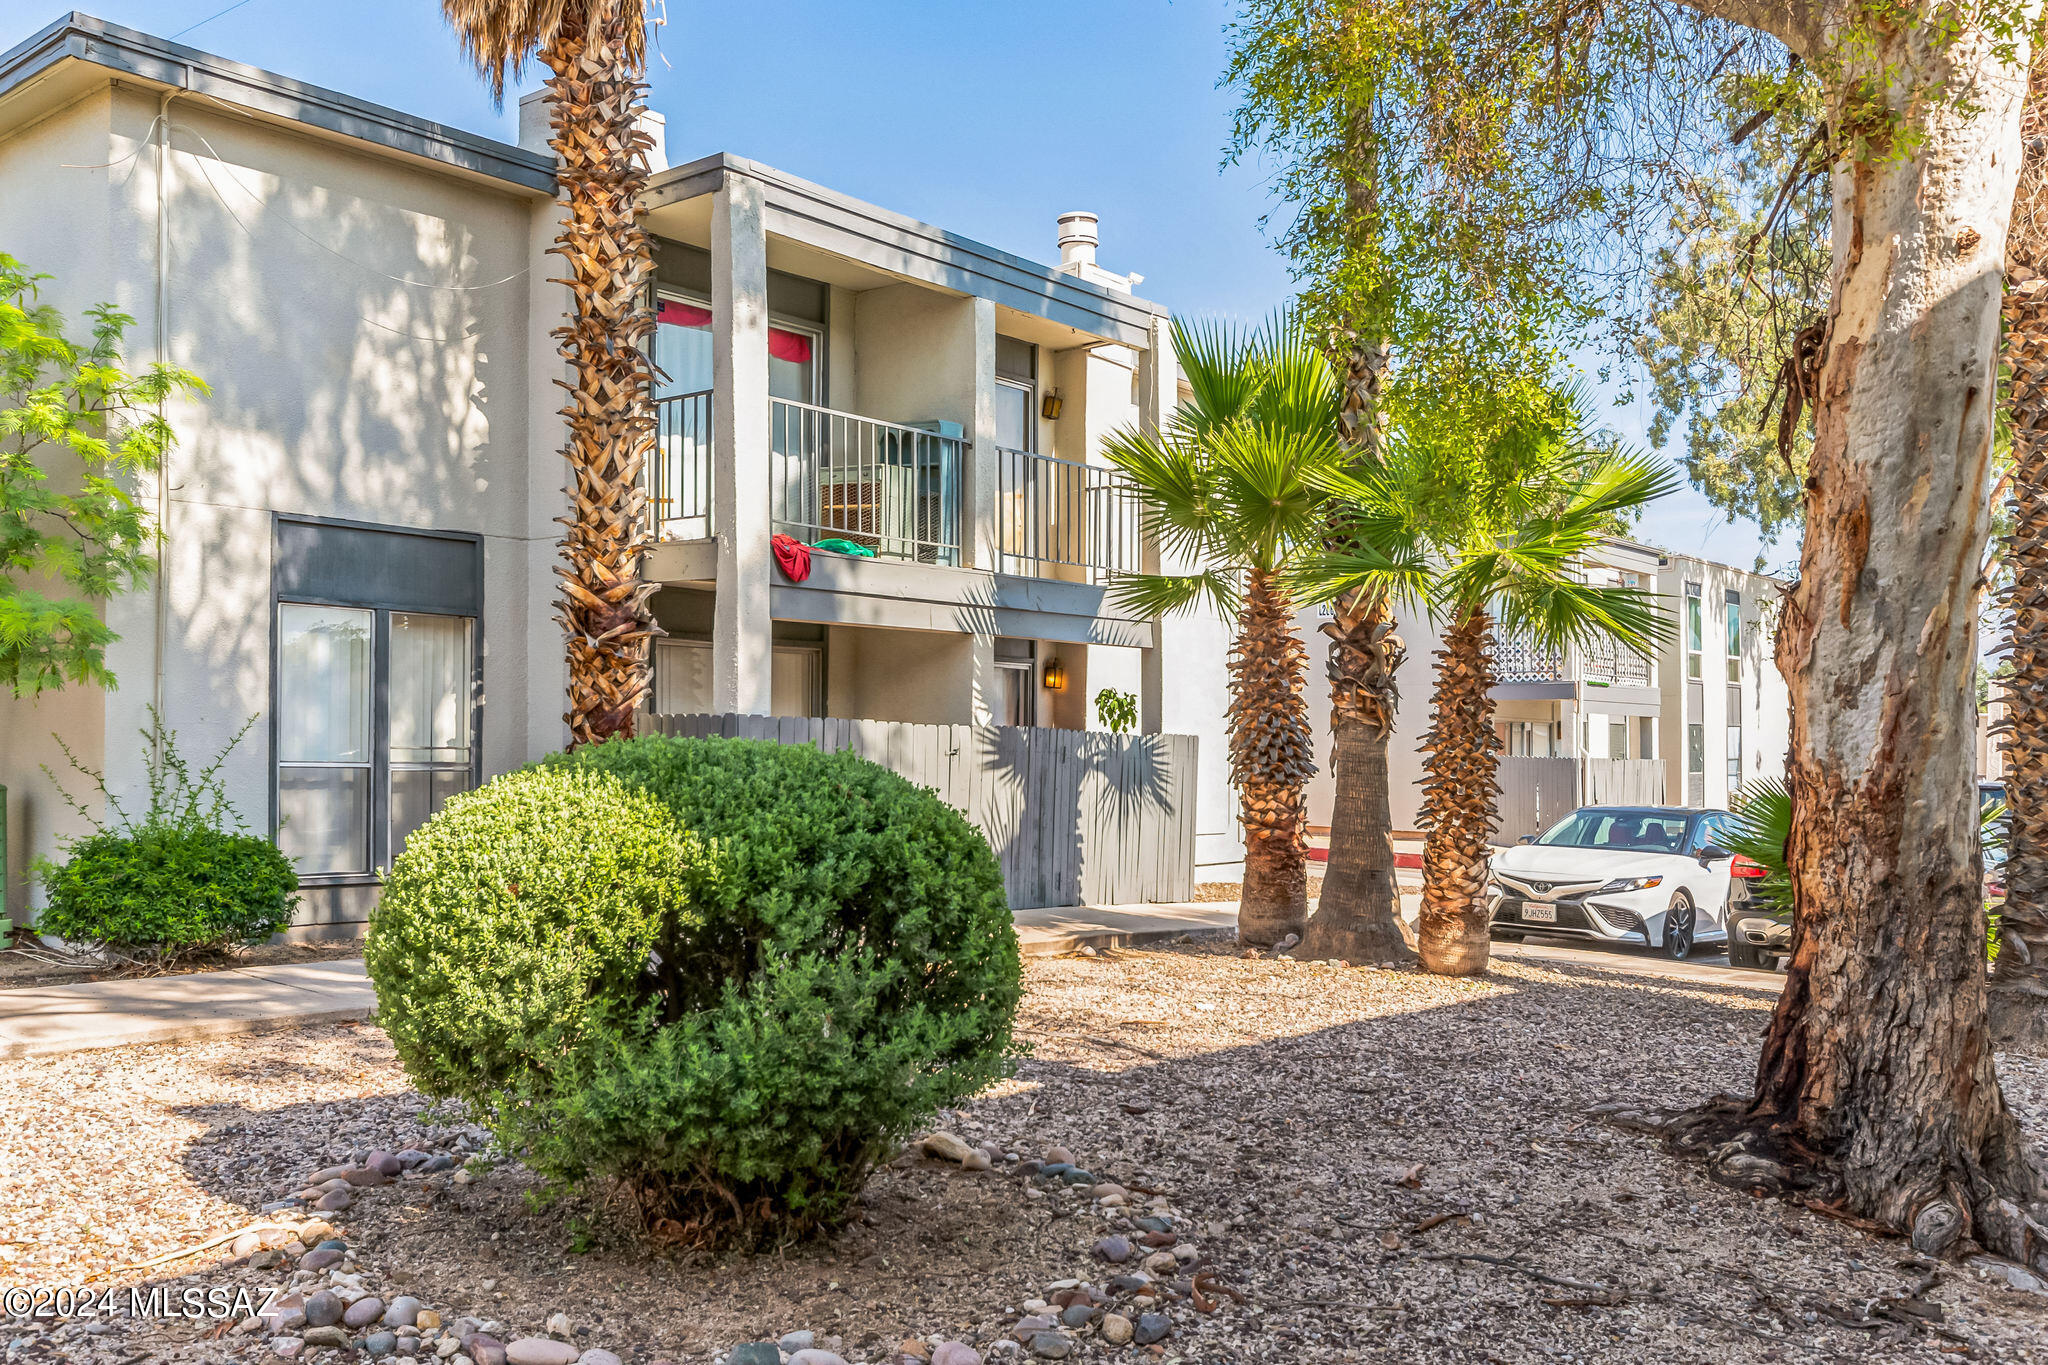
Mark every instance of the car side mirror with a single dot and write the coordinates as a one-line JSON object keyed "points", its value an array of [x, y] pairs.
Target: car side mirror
{"points": [[1526, 839], [1713, 853]]}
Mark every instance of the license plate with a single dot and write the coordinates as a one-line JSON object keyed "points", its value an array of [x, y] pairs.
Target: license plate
{"points": [[1533, 913]]}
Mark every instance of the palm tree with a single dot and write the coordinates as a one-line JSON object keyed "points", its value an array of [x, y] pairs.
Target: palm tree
{"points": [[2019, 978], [1229, 488], [596, 55], [1505, 520]]}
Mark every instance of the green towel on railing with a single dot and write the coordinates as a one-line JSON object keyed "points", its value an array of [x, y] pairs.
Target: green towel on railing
{"points": [[843, 547]]}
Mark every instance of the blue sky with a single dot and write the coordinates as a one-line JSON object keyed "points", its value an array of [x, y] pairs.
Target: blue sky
{"points": [[958, 112]]}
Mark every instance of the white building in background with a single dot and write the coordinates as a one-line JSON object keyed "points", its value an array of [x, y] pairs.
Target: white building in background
{"points": [[361, 518], [1686, 725]]}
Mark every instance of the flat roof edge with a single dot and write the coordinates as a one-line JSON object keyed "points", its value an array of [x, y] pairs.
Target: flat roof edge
{"points": [[701, 176], [146, 57]]}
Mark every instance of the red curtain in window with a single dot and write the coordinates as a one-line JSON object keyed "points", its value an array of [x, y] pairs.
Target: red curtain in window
{"points": [[794, 347]]}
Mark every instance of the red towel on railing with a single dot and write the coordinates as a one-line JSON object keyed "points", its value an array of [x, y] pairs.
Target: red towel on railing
{"points": [[793, 556]]}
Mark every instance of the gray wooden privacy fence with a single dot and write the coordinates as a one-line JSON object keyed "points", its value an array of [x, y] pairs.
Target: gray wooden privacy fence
{"points": [[1536, 793], [1076, 817]]}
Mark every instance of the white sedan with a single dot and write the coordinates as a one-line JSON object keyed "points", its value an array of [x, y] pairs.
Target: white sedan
{"points": [[1655, 875]]}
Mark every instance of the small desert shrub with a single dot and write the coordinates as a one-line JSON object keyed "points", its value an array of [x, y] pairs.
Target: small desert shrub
{"points": [[183, 879], [729, 974]]}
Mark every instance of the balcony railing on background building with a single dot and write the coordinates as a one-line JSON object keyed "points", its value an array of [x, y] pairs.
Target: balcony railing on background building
{"points": [[1059, 519], [1517, 659], [679, 470], [894, 489]]}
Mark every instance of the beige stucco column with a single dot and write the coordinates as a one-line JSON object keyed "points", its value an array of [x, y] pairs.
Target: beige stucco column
{"points": [[1158, 394], [741, 653]]}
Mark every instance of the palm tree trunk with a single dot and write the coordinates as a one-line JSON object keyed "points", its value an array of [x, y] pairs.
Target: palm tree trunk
{"points": [[595, 96], [1271, 759], [2019, 978], [1357, 918], [1459, 795]]}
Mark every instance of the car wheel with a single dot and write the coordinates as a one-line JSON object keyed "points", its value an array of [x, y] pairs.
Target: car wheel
{"points": [[1681, 928], [1743, 953]]}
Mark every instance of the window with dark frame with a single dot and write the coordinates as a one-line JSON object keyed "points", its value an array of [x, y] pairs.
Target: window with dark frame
{"points": [[1695, 630], [376, 669]]}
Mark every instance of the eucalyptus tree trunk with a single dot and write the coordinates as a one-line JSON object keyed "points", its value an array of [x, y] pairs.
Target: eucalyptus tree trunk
{"points": [[595, 97], [1357, 918], [1271, 760], [1877, 1066], [1459, 797], [2019, 977]]}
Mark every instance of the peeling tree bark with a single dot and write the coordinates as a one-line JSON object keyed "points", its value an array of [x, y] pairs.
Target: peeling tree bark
{"points": [[1877, 1067]]}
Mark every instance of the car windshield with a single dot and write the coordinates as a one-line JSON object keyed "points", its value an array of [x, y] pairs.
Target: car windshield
{"points": [[1648, 830]]}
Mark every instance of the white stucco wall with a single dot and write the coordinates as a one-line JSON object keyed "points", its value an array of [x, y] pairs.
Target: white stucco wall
{"points": [[364, 327]]}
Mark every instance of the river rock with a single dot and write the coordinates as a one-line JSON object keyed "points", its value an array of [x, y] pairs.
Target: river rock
{"points": [[288, 1347], [383, 1163], [381, 1343], [976, 1161], [1160, 1263], [363, 1176], [540, 1351], [955, 1353], [484, 1349], [324, 1337], [801, 1340], [1152, 1327], [403, 1311], [363, 1312], [324, 1308], [812, 1355], [1116, 1329], [1076, 1314], [597, 1355], [1058, 1156], [1027, 1327], [1115, 1250], [1052, 1346], [754, 1353], [950, 1146], [320, 1258], [334, 1201]]}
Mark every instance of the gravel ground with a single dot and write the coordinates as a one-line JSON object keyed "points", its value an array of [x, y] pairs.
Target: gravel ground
{"points": [[1343, 1149]]}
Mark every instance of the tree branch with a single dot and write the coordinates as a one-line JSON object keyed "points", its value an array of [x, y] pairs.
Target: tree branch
{"points": [[1795, 23]]}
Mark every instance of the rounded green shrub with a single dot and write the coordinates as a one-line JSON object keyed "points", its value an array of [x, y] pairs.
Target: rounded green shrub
{"points": [[165, 891], [729, 973]]}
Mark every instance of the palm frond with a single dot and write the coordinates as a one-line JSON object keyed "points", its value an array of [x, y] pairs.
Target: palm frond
{"points": [[1216, 359], [501, 36], [1154, 594]]}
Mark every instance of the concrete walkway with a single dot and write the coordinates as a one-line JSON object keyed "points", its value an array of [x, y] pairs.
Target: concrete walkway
{"points": [[158, 1009], [52, 1019], [44, 1020]]}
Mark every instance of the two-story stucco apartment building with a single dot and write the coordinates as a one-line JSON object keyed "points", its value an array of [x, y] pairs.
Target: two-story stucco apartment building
{"points": [[360, 519]]}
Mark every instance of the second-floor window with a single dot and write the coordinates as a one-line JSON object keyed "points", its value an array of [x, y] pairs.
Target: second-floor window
{"points": [[1695, 631], [1016, 394], [1734, 609]]}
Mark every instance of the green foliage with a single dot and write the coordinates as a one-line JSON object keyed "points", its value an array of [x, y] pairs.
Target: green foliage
{"points": [[181, 879], [1232, 483], [729, 974], [76, 432], [1119, 710], [1506, 489], [1744, 267]]}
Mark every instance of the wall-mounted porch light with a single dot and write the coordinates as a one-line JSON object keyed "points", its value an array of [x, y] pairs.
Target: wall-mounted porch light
{"points": [[1050, 408], [1055, 676]]}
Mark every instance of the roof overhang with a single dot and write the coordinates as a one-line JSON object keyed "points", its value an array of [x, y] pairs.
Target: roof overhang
{"points": [[78, 50], [899, 247]]}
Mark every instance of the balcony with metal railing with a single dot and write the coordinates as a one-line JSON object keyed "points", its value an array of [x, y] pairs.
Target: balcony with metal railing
{"points": [[679, 470], [890, 488], [1517, 659], [1060, 519]]}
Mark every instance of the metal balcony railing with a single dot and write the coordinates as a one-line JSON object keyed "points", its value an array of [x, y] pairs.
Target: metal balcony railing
{"points": [[679, 470], [1059, 519], [894, 489], [1517, 659]]}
